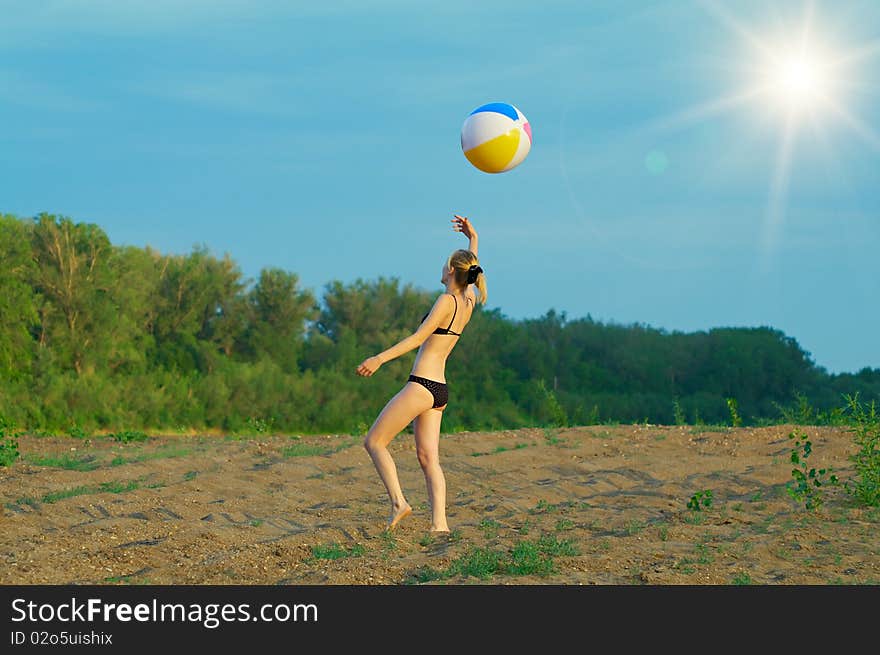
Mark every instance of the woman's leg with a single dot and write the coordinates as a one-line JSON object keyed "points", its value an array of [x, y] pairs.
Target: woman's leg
{"points": [[409, 402], [427, 431]]}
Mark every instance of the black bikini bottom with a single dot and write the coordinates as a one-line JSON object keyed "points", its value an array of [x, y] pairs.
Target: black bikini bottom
{"points": [[438, 389]]}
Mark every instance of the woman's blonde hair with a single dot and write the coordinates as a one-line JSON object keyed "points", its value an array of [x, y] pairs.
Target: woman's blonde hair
{"points": [[466, 270]]}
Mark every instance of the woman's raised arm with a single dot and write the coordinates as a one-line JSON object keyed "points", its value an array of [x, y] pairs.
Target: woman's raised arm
{"points": [[462, 224]]}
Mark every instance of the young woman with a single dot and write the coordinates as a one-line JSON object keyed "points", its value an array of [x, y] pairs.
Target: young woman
{"points": [[424, 397]]}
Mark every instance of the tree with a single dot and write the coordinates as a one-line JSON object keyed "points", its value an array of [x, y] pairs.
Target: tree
{"points": [[18, 312], [277, 315]]}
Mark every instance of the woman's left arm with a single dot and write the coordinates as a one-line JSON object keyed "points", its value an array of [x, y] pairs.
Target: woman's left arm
{"points": [[443, 307]]}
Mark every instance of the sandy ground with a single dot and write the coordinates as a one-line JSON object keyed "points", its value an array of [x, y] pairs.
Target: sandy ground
{"points": [[610, 500]]}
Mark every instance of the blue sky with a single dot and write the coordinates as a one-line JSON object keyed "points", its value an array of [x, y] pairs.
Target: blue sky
{"points": [[323, 138]]}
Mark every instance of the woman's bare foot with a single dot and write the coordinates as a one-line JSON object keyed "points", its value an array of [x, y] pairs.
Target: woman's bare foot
{"points": [[397, 514], [440, 530]]}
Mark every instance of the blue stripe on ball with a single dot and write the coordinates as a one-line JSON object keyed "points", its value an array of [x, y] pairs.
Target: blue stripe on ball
{"points": [[498, 107]]}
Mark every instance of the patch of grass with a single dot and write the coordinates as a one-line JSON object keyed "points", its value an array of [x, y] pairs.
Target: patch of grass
{"points": [[527, 558], [303, 450], [705, 556], [706, 428], [128, 436], [24, 500], [298, 449], [389, 543], [543, 507], [694, 518], [489, 528], [663, 531], [552, 546], [634, 527], [190, 475], [163, 453], [500, 449], [742, 578], [476, 563], [336, 551], [524, 558], [114, 486], [764, 527], [564, 524], [551, 436], [84, 463], [117, 486]]}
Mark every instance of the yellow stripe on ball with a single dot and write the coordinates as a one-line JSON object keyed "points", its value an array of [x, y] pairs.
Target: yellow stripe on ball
{"points": [[494, 155]]}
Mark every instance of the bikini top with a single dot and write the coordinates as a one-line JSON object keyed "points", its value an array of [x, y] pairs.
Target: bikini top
{"points": [[446, 330]]}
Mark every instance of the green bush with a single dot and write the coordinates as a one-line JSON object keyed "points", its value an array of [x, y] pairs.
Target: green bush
{"points": [[864, 423], [8, 443]]}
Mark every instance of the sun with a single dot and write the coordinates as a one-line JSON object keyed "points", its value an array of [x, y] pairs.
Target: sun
{"points": [[796, 76], [798, 81]]}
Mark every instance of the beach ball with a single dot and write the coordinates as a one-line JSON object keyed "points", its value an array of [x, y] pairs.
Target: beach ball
{"points": [[496, 137]]}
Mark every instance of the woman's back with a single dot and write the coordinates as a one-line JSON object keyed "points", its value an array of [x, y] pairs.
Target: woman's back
{"points": [[431, 359]]}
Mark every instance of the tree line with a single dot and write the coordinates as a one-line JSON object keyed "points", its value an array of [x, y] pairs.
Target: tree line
{"points": [[101, 337]]}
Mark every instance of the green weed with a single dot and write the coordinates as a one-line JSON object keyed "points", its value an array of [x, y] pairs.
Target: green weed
{"points": [[678, 413], [735, 418], [551, 406], [700, 500], [807, 482]]}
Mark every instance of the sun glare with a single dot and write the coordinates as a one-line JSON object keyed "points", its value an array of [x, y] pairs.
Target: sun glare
{"points": [[798, 80]]}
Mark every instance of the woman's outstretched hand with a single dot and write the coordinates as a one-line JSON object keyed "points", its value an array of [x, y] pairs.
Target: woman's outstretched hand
{"points": [[369, 366], [462, 224]]}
